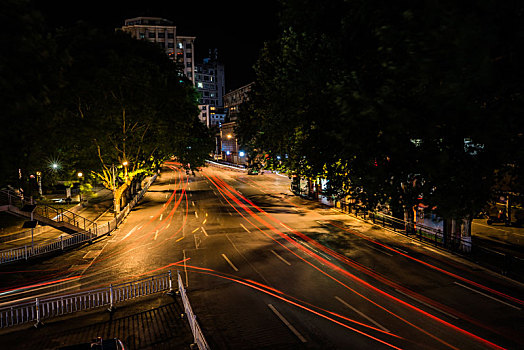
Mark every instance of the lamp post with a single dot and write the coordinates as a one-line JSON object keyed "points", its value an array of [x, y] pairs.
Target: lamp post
{"points": [[125, 163], [80, 177], [39, 180], [114, 188]]}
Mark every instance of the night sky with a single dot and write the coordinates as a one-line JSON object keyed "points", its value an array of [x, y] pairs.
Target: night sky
{"points": [[237, 29]]}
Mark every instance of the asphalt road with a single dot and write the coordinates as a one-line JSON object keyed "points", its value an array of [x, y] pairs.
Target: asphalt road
{"points": [[268, 270]]}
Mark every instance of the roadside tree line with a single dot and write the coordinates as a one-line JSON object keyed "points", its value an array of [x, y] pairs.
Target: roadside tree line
{"points": [[395, 103], [83, 99]]}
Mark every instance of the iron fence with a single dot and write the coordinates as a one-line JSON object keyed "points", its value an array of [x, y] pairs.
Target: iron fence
{"points": [[44, 308], [28, 251], [198, 336], [40, 309]]}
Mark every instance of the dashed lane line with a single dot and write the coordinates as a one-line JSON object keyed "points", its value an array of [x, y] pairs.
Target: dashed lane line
{"points": [[286, 322], [229, 262]]}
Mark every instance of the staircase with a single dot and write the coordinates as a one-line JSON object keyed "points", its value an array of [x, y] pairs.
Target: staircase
{"points": [[43, 214]]}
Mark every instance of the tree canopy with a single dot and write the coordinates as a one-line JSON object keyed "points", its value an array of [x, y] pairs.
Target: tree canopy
{"points": [[90, 99], [394, 101]]}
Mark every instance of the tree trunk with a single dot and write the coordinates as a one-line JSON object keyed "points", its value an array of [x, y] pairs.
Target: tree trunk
{"points": [[408, 220], [465, 235]]}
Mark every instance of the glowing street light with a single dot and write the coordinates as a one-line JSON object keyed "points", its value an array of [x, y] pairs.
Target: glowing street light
{"points": [[125, 163], [80, 176]]}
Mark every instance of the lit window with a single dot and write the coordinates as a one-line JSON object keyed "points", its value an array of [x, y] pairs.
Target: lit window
{"points": [[179, 45], [200, 85]]}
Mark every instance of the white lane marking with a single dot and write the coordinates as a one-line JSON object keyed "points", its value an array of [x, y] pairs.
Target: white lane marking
{"points": [[281, 258], [192, 203], [286, 322], [245, 228], [167, 194], [91, 254], [287, 227], [195, 230], [397, 249], [168, 225], [161, 215], [156, 234], [204, 230], [428, 305], [196, 214], [489, 296], [214, 192], [130, 232], [198, 240], [378, 250], [362, 314], [229, 212], [229, 262]]}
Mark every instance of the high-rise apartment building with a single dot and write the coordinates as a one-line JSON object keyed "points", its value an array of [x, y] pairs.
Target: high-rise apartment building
{"points": [[162, 31], [210, 83]]}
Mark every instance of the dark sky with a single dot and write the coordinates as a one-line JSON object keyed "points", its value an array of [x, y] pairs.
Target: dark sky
{"points": [[237, 29]]}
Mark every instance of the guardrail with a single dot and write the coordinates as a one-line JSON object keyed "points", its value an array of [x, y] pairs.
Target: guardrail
{"points": [[12, 198], [63, 215], [503, 262], [28, 251], [227, 166], [44, 308], [198, 336]]}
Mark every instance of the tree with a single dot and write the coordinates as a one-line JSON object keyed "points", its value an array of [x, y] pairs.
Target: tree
{"points": [[28, 73], [389, 101], [124, 102]]}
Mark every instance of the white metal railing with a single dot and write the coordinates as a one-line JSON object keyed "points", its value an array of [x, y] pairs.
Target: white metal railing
{"points": [[43, 308], [198, 336], [29, 251]]}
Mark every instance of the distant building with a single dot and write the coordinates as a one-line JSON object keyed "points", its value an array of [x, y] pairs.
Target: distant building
{"points": [[234, 99], [210, 84], [212, 116], [162, 31]]}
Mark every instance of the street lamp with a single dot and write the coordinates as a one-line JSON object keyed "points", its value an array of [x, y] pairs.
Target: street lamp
{"points": [[80, 176], [39, 180], [125, 163]]}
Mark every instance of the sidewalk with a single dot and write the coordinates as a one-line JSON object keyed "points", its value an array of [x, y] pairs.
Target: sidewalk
{"points": [[497, 248], [96, 207]]}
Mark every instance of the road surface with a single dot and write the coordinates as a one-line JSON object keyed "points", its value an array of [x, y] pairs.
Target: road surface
{"points": [[268, 270]]}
